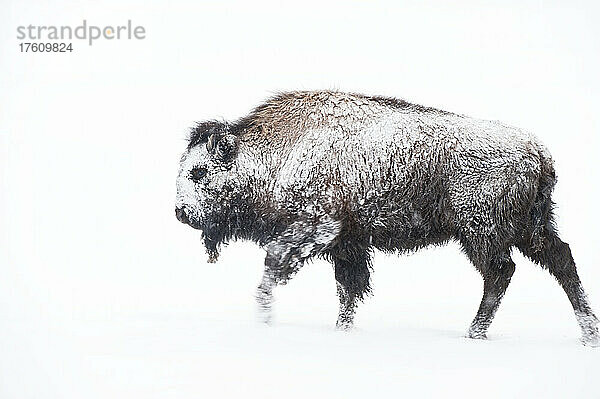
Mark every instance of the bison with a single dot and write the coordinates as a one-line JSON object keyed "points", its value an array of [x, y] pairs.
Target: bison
{"points": [[336, 175]]}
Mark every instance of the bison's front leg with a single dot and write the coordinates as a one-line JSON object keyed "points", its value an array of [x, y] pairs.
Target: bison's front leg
{"points": [[277, 271], [304, 238], [264, 296], [345, 320], [352, 278]]}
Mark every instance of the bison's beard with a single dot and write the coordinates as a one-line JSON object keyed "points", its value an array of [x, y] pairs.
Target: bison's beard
{"points": [[212, 251], [214, 234], [212, 248], [232, 219]]}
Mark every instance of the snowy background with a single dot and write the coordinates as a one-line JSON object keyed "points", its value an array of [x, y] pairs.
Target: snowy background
{"points": [[103, 294]]}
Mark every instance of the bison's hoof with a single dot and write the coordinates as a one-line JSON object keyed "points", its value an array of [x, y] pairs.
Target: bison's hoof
{"points": [[344, 325], [265, 315], [265, 319], [476, 335], [591, 340]]}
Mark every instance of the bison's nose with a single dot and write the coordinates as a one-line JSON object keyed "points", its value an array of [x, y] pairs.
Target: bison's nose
{"points": [[181, 215]]}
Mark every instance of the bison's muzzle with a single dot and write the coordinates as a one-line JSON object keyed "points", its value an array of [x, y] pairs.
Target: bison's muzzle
{"points": [[183, 217]]}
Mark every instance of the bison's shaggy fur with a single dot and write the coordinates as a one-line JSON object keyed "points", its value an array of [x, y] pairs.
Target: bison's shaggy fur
{"points": [[338, 175]]}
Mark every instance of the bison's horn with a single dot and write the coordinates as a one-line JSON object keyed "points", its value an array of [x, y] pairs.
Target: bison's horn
{"points": [[210, 145]]}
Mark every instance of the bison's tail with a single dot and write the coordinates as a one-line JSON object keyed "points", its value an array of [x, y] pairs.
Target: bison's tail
{"points": [[541, 222]]}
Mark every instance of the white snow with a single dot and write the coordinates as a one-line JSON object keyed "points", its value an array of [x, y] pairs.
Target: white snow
{"points": [[189, 329]]}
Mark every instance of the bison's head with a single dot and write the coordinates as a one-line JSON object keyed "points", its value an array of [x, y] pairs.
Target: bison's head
{"points": [[206, 182]]}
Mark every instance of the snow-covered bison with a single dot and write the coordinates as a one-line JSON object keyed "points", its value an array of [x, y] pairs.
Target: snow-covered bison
{"points": [[337, 175]]}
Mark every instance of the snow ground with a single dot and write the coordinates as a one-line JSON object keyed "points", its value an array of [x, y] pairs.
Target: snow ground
{"points": [[197, 357], [196, 336]]}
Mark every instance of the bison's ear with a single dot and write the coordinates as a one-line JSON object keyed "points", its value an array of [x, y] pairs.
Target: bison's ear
{"points": [[224, 147]]}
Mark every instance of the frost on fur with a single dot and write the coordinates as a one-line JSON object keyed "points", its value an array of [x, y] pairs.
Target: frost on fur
{"points": [[337, 175]]}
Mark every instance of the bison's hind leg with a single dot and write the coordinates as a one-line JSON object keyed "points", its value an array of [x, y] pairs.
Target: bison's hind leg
{"points": [[496, 268], [547, 249]]}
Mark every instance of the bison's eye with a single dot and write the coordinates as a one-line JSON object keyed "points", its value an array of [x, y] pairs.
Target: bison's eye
{"points": [[198, 173]]}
